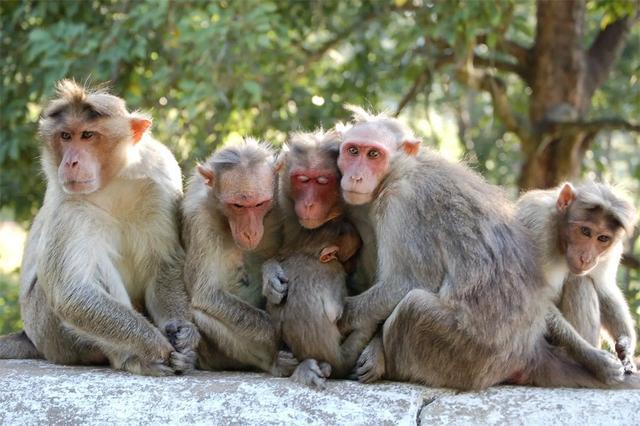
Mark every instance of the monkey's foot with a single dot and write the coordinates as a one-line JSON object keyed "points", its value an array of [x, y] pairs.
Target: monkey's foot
{"points": [[183, 362], [284, 364], [183, 335], [606, 366], [312, 373], [370, 366], [135, 365], [274, 282]]}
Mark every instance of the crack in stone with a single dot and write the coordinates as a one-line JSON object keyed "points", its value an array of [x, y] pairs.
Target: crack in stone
{"points": [[425, 402]]}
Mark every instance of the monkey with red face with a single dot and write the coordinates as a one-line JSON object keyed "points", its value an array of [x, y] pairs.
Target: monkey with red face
{"points": [[104, 248], [458, 287], [579, 234]]}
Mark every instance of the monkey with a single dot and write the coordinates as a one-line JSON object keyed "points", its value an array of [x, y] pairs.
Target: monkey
{"points": [[309, 270], [579, 232], [231, 226], [460, 296], [313, 265], [101, 273]]}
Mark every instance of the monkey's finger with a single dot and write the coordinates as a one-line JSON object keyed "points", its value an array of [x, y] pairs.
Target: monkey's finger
{"points": [[325, 368], [319, 382], [283, 278]]}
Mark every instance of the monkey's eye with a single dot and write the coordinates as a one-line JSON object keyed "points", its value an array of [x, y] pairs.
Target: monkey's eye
{"points": [[260, 204], [87, 134], [604, 238], [374, 153], [352, 150], [238, 206], [322, 180], [303, 178], [65, 135], [586, 231]]}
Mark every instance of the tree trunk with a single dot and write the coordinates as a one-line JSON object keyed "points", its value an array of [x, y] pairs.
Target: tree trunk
{"points": [[564, 77]]}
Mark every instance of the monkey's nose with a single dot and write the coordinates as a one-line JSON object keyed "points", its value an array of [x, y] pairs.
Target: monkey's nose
{"points": [[357, 179], [72, 164]]}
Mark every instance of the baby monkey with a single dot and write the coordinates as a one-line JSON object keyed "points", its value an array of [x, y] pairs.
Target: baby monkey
{"points": [[580, 233], [314, 264]]}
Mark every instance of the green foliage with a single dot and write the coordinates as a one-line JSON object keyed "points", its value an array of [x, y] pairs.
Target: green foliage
{"points": [[9, 308]]}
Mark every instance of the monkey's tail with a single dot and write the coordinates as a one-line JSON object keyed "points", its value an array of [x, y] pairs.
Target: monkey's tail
{"points": [[555, 368], [18, 346]]}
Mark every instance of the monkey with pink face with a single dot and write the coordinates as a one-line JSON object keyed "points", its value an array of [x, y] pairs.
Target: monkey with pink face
{"points": [[457, 286]]}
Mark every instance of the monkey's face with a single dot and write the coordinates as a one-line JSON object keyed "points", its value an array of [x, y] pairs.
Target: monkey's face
{"points": [[88, 151], [586, 243], [315, 195], [246, 197], [364, 161]]}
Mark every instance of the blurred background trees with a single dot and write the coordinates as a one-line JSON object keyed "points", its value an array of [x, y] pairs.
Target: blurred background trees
{"points": [[528, 93]]}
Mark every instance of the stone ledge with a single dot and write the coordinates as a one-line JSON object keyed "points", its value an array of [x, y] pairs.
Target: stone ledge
{"points": [[36, 392]]}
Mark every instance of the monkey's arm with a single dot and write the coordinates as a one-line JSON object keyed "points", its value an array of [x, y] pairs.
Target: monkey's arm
{"points": [[168, 304], [616, 319], [601, 363]]}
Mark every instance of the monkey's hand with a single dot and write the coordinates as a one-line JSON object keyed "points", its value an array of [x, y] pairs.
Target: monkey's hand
{"points": [[274, 282], [284, 364], [625, 354], [183, 335]]}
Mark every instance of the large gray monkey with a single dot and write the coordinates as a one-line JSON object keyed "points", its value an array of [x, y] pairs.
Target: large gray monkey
{"points": [[104, 247], [463, 301]]}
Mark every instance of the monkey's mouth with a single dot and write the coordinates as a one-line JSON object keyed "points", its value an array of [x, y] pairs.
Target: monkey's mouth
{"points": [[80, 186], [356, 198]]}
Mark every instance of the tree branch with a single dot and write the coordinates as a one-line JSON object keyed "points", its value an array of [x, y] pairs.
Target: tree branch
{"points": [[521, 54], [604, 52], [418, 85], [594, 126], [481, 79], [630, 261]]}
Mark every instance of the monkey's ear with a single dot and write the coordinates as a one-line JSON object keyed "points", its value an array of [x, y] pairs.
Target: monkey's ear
{"points": [[207, 174], [138, 127], [566, 197], [411, 147], [281, 158], [329, 253]]}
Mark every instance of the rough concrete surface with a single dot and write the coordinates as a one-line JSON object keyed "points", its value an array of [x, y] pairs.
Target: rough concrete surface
{"points": [[36, 392]]}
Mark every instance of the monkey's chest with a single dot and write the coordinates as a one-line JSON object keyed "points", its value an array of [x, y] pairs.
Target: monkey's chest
{"points": [[555, 275]]}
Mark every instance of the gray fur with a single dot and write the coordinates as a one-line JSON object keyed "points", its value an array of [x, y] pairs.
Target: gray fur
{"points": [[224, 281], [592, 301], [458, 287]]}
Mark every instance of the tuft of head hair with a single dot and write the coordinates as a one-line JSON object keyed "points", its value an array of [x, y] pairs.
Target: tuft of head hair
{"points": [[379, 121], [303, 142], [249, 153], [612, 200], [74, 98]]}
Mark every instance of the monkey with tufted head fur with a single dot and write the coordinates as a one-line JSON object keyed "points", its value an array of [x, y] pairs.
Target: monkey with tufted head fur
{"points": [[231, 227], [104, 248], [579, 232], [308, 279], [458, 287]]}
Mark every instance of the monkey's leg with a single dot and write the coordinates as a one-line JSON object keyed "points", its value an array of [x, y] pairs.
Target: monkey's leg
{"points": [[423, 342], [55, 341], [604, 365], [580, 306]]}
